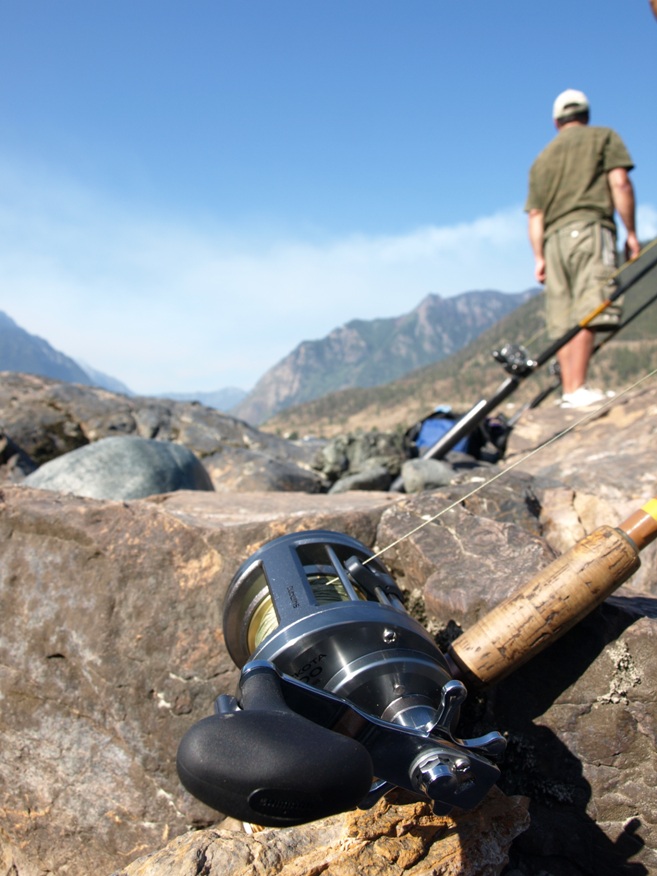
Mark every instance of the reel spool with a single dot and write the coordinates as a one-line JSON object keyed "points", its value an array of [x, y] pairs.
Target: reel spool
{"points": [[342, 694]]}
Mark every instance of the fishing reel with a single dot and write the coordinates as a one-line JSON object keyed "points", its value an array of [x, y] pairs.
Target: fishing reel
{"points": [[342, 695], [515, 359]]}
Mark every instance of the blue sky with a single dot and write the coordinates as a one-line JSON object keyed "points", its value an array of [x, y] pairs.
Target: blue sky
{"points": [[189, 190]]}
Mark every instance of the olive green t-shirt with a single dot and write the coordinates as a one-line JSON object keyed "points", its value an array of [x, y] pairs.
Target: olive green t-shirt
{"points": [[568, 180]]}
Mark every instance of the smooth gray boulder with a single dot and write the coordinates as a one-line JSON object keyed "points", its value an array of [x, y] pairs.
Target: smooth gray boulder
{"points": [[426, 474], [123, 467], [372, 477]]}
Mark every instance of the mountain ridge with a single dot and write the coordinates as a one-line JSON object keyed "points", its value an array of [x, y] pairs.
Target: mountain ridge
{"points": [[22, 351], [365, 353]]}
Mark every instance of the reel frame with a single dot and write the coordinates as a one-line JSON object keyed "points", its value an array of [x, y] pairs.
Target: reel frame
{"points": [[326, 648]]}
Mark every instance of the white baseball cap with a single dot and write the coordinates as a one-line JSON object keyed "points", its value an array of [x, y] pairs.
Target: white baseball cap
{"points": [[568, 103]]}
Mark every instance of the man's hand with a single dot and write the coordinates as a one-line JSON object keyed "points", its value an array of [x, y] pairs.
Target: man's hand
{"points": [[539, 269], [632, 245], [622, 194]]}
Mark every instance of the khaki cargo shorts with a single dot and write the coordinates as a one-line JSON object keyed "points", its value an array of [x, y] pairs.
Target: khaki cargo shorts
{"points": [[580, 259]]}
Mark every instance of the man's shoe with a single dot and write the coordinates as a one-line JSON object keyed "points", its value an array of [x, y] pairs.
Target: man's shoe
{"points": [[582, 398]]}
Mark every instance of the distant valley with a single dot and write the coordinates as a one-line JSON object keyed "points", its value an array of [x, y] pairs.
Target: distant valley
{"points": [[361, 353], [220, 399]]}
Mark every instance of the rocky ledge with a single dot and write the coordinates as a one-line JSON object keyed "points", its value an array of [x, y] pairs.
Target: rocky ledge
{"points": [[112, 647]]}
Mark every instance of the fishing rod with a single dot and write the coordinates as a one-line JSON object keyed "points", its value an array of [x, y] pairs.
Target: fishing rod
{"points": [[518, 364], [554, 600], [343, 696]]}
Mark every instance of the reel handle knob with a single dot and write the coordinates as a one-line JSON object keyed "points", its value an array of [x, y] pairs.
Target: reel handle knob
{"points": [[267, 765]]}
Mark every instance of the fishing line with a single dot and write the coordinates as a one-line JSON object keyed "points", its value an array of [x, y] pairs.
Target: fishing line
{"points": [[589, 416]]}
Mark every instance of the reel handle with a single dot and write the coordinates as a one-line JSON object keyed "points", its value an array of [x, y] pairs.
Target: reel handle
{"points": [[267, 765], [554, 600]]}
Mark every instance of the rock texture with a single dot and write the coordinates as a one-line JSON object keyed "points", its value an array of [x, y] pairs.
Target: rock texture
{"points": [[112, 646], [396, 838], [580, 719], [464, 555], [598, 466]]}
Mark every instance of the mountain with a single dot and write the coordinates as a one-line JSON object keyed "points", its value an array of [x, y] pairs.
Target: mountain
{"points": [[367, 353], [23, 352], [104, 381]]}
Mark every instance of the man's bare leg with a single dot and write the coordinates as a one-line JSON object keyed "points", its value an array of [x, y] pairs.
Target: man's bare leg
{"points": [[574, 359]]}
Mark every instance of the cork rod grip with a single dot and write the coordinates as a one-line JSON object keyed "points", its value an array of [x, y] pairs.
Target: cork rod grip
{"points": [[548, 605]]}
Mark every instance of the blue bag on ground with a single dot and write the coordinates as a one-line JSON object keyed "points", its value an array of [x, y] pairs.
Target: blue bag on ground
{"points": [[433, 428], [425, 433]]}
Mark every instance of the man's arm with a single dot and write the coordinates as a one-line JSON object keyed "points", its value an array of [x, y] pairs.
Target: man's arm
{"points": [[536, 241], [622, 194]]}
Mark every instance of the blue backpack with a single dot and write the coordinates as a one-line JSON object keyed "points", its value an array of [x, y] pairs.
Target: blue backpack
{"points": [[425, 433]]}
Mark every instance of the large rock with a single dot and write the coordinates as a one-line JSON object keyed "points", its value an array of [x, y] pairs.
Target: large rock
{"points": [[590, 468], [112, 646], [611, 446], [124, 467], [581, 720], [461, 554], [239, 470]]}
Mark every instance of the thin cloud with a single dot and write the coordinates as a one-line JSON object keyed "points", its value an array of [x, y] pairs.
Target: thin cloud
{"points": [[183, 305], [646, 220]]}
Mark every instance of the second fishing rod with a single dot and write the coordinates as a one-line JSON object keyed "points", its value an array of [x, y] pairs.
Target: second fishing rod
{"points": [[519, 365]]}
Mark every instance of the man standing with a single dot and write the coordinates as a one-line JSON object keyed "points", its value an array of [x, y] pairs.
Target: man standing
{"points": [[576, 185]]}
